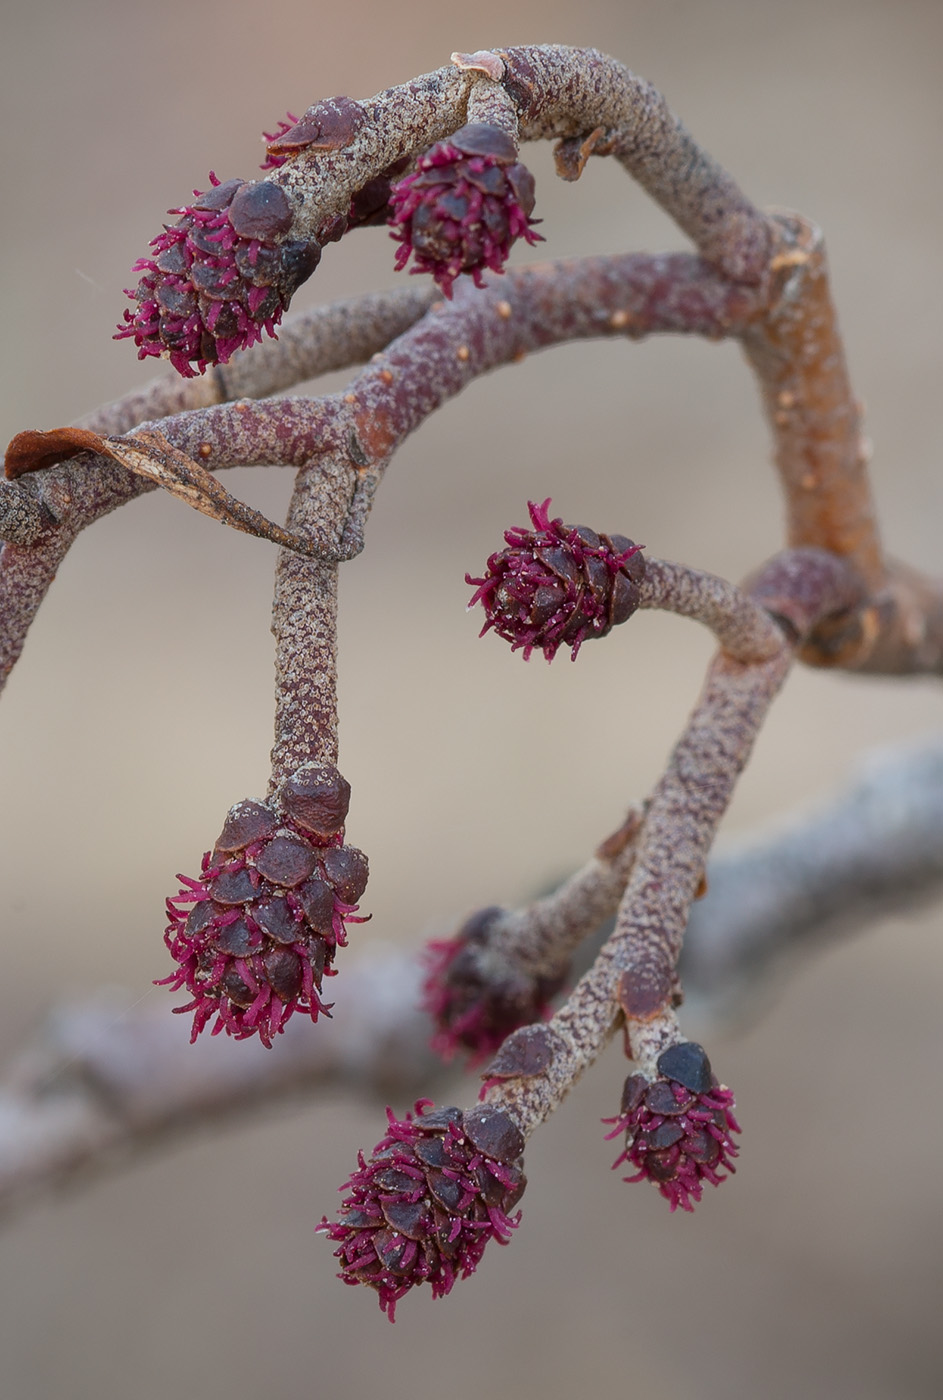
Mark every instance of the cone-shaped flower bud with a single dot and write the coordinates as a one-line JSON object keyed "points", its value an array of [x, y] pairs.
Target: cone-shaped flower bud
{"points": [[467, 202], [218, 277], [558, 585], [475, 996], [422, 1208], [255, 935], [678, 1127]]}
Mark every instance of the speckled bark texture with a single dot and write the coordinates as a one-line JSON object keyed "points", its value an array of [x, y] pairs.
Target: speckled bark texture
{"points": [[634, 979], [304, 621]]}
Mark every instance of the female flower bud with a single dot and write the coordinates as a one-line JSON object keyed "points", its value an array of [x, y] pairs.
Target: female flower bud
{"points": [[678, 1127], [477, 997], [467, 202], [219, 277], [422, 1208], [557, 585], [256, 933]]}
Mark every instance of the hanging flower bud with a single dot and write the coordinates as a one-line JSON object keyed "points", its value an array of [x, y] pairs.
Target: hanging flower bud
{"points": [[423, 1207], [476, 997], [467, 202], [558, 585], [256, 933], [678, 1127], [219, 277]]}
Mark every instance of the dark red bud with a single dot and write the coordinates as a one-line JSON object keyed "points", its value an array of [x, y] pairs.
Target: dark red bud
{"points": [[232, 887], [347, 869], [633, 1091], [625, 600], [438, 1119], [261, 210], [274, 917], [688, 1064], [199, 916], [665, 1135], [660, 1098], [317, 799], [176, 298], [431, 1150], [234, 939], [661, 1166], [219, 197], [298, 259], [332, 229], [317, 901], [236, 989], [405, 1218], [174, 259], [479, 139], [246, 823], [286, 861], [493, 1133], [283, 972], [525, 1053]]}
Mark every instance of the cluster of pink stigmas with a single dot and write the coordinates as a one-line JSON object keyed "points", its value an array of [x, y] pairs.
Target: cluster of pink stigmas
{"points": [[255, 935], [219, 277], [228, 268], [422, 1208], [558, 585], [467, 202], [678, 1127]]}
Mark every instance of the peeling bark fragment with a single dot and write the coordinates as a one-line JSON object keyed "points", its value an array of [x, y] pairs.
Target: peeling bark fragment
{"points": [[32, 450], [572, 152]]}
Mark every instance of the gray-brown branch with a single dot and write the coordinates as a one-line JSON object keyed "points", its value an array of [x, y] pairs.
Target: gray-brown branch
{"points": [[100, 1084]]}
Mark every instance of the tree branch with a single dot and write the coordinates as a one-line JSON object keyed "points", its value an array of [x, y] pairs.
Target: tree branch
{"points": [[101, 1084]]}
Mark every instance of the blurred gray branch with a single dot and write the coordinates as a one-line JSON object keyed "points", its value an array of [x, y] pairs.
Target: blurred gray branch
{"points": [[101, 1083]]}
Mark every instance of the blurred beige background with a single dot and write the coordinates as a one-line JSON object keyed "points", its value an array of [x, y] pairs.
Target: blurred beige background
{"points": [[142, 709]]}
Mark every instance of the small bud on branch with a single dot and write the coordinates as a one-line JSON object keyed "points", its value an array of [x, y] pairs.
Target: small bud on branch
{"points": [[678, 1126], [256, 933], [558, 585], [438, 1187]]}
